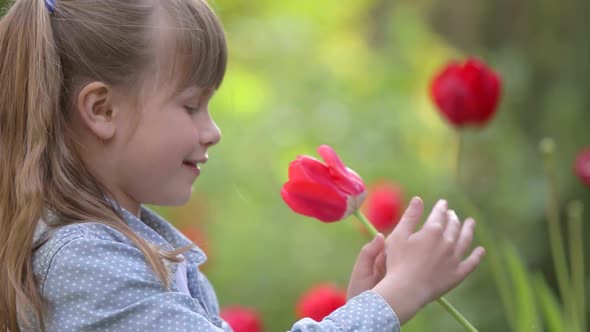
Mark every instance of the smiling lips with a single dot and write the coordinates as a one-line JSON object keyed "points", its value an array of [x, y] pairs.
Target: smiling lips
{"points": [[193, 165]]}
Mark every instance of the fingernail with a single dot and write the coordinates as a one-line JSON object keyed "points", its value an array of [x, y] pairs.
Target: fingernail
{"points": [[481, 252]]}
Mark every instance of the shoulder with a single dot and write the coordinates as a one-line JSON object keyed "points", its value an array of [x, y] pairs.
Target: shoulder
{"points": [[79, 243], [92, 278]]}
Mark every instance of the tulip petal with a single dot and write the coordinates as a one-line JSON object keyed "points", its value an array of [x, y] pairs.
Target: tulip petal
{"points": [[485, 88], [309, 169], [452, 95], [357, 178], [582, 166], [297, 171], [315, 200], [384, 205], [346, 181], [466, 94], [320, 301], [242, 319]]}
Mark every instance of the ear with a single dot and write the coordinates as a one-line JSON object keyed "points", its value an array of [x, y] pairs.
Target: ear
{"points": [[96, 110]]}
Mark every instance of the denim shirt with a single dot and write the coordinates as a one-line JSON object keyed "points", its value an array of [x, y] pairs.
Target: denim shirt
{"points": [[94, 279]]}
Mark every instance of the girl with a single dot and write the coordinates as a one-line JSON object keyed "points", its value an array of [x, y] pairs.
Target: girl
{"points": [[103, 108]]}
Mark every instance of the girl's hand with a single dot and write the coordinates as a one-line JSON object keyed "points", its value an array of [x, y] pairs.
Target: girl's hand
{"points": [[369, 268], [423, 265]]}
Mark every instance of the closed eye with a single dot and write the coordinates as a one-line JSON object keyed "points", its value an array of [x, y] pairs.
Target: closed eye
{"points": [[192, 109]]}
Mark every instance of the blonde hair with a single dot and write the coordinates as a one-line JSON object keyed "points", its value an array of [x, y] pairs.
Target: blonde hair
{"points": [[45, 58]]}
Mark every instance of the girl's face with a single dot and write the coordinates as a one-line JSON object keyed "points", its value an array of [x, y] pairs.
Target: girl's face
{"points": [[159, 162], [147, 152]]}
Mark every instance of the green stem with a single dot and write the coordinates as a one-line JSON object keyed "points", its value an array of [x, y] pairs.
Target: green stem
{"points": [[441, 300], [449, 307], [575, 210], [458, 159], [547, 147], [372, 230]]}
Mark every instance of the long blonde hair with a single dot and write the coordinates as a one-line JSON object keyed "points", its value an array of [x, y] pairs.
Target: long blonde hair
{"points": [[45, 58]]}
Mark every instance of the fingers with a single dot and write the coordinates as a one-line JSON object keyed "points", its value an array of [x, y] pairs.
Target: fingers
{"points": [[411, 218], [469, 264], [369, 253], [379, 267], [453, 227], [465, 238], [438, 218], [463, 244]]}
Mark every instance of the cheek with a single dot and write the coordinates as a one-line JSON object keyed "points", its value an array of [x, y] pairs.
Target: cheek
{"points": [[161, 144]]}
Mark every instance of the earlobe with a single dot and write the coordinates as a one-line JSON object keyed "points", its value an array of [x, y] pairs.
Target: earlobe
{"points": [[96, 110]]}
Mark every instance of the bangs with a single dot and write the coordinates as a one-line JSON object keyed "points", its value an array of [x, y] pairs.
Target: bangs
{"points": [[200, 49]]}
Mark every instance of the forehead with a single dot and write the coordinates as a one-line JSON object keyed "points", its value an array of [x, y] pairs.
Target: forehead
{"points": [[189, 47]]}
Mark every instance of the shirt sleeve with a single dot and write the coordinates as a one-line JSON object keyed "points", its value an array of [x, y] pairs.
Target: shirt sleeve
{"points": [[365, 312], [102, 285]]}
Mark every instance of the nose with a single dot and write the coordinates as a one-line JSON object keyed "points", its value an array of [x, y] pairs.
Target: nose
{"points": [[210, 134]]}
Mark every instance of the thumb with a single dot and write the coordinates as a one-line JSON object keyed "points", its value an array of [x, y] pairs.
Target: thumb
{"points": [[366, 259]]}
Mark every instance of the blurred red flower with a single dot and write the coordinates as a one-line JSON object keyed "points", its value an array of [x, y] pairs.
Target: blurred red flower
{"points": [[329, 192], [383, 206], [196, 236], [242, 319], [320, 301], [582, 166], [466, 94]]}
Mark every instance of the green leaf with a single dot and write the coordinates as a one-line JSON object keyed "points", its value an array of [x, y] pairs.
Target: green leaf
{"points": [[526, 312], [550, 308]]}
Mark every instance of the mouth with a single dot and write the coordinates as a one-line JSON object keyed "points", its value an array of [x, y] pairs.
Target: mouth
{"points": [[193, 165], [194, 162]]}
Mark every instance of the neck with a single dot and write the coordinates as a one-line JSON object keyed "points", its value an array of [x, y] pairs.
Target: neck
{"points": [[128, 203]]}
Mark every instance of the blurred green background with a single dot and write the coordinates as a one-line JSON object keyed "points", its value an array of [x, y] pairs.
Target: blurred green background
{"points": [[354, 75]]}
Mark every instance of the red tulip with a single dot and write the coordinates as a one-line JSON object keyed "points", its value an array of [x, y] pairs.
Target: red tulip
{"points": [[320, 301], [384, 205], [329, 192], [242, 319], [582, 166], [466, 94]]}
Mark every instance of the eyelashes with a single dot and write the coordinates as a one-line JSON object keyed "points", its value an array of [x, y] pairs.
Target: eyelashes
{"points": [[192, 109], [202, 103]]}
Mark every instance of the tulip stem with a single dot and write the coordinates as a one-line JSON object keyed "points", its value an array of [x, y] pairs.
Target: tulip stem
{"points": [[440, 300], [575, 209], [449, 307], [458, 158], [372, 230], [547, 148]]}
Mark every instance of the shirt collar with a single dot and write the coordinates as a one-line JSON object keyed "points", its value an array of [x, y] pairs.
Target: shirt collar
{"points": [[160, 232]]}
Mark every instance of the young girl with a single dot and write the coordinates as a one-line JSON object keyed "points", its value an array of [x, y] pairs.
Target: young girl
{"points": [[103, 108]]}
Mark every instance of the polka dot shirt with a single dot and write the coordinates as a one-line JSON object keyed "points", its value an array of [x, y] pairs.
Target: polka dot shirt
{"points": [[94, 279]]}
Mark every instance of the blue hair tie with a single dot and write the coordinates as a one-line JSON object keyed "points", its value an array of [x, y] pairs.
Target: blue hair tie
{"points": [[50, 4]]}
